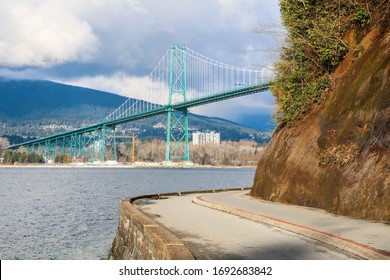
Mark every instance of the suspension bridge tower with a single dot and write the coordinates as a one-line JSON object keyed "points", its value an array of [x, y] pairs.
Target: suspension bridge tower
{"points": [[177, 146]]}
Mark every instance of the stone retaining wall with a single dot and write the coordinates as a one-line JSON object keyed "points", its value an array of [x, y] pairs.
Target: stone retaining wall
{"points": [[138, 237]]}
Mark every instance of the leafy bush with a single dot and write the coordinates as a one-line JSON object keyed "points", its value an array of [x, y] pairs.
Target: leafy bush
{"points": [[11, 157], [361, 17], [313, 49], [62, 159]]}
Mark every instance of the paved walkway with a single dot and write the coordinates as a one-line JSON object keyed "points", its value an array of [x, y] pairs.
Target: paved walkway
{"points": [[248, 228]]}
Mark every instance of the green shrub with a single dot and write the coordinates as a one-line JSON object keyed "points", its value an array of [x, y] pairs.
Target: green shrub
{"points": [[361, 17], [11, 157], [313, 49], [62, 159]]}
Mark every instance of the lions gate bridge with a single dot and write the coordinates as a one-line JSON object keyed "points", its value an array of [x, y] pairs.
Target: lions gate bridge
{"points": [[182, 79]]}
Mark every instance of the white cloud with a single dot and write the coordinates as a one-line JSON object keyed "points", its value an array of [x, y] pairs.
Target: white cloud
{"points": [[25, 74], [42, 34], [122, 84], [241, 14], [137, 7], [122, 34], [118, 83], [45, 33]]}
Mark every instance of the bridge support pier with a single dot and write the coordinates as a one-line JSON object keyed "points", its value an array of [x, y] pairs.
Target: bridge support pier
{"points": [[108, 144], [177, 146], [102, 145]]}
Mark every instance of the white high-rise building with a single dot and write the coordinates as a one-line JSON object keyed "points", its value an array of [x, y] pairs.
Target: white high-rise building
{"points": [[199, 138]]}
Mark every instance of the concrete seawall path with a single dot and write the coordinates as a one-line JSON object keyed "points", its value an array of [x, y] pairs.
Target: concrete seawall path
{"points": [[233, 225]]}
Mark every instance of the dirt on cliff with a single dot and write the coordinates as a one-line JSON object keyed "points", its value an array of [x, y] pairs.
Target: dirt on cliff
{"points": [[338, 157]]}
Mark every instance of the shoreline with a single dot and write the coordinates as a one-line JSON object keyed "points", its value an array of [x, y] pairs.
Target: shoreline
{"points": [[140, 165]]}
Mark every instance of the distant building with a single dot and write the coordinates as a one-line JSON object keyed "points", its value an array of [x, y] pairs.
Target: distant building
{"points": [[159, 126], [200, 138]]}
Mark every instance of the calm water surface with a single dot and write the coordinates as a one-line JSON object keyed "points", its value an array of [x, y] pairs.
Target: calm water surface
{"points": [[73, 213]]}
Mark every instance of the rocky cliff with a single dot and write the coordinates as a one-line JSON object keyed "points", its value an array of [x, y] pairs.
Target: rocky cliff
{"points": [[338, 156]]}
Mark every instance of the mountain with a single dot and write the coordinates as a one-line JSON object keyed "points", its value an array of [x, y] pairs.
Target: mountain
{"points": [[258, 122], [29, 101], [36, 108]]}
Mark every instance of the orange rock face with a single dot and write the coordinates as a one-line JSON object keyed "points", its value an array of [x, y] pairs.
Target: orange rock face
{"points": [[338, 157]]}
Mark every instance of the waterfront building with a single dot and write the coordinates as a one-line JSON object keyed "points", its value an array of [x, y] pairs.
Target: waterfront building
{"points": [[200, 138]]}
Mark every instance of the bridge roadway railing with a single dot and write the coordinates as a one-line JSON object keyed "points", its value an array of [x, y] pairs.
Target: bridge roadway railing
{"points": [[95, 136]]}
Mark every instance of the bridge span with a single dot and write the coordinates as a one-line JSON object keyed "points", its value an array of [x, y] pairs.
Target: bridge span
{"points": [[181, 80]]}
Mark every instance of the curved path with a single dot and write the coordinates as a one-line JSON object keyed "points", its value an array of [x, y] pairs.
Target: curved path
{"points": [[211, 234]]}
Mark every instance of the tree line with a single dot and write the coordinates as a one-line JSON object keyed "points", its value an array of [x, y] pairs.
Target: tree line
{"points": [[236, 153], [12, 157], [227, 153]]}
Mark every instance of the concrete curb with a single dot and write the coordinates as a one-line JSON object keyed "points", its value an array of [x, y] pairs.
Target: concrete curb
{"points": [[350, 246], [161, 195]]}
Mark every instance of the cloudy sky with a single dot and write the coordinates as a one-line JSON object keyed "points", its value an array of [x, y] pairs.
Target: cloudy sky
{"points": [[108, 44]]}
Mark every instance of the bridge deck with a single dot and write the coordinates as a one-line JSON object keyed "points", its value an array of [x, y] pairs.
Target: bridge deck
{"points": [[146, 114]]}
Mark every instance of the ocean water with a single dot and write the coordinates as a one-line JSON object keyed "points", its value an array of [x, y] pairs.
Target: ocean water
{"points": [[72, 213]]}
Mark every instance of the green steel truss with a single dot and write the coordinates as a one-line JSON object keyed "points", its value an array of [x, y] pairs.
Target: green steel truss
{"points": [[91, 146], [177, 146], [97, 142]]}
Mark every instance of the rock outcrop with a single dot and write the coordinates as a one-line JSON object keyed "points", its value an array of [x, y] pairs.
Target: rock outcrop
{"points": [[338, 157]]}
